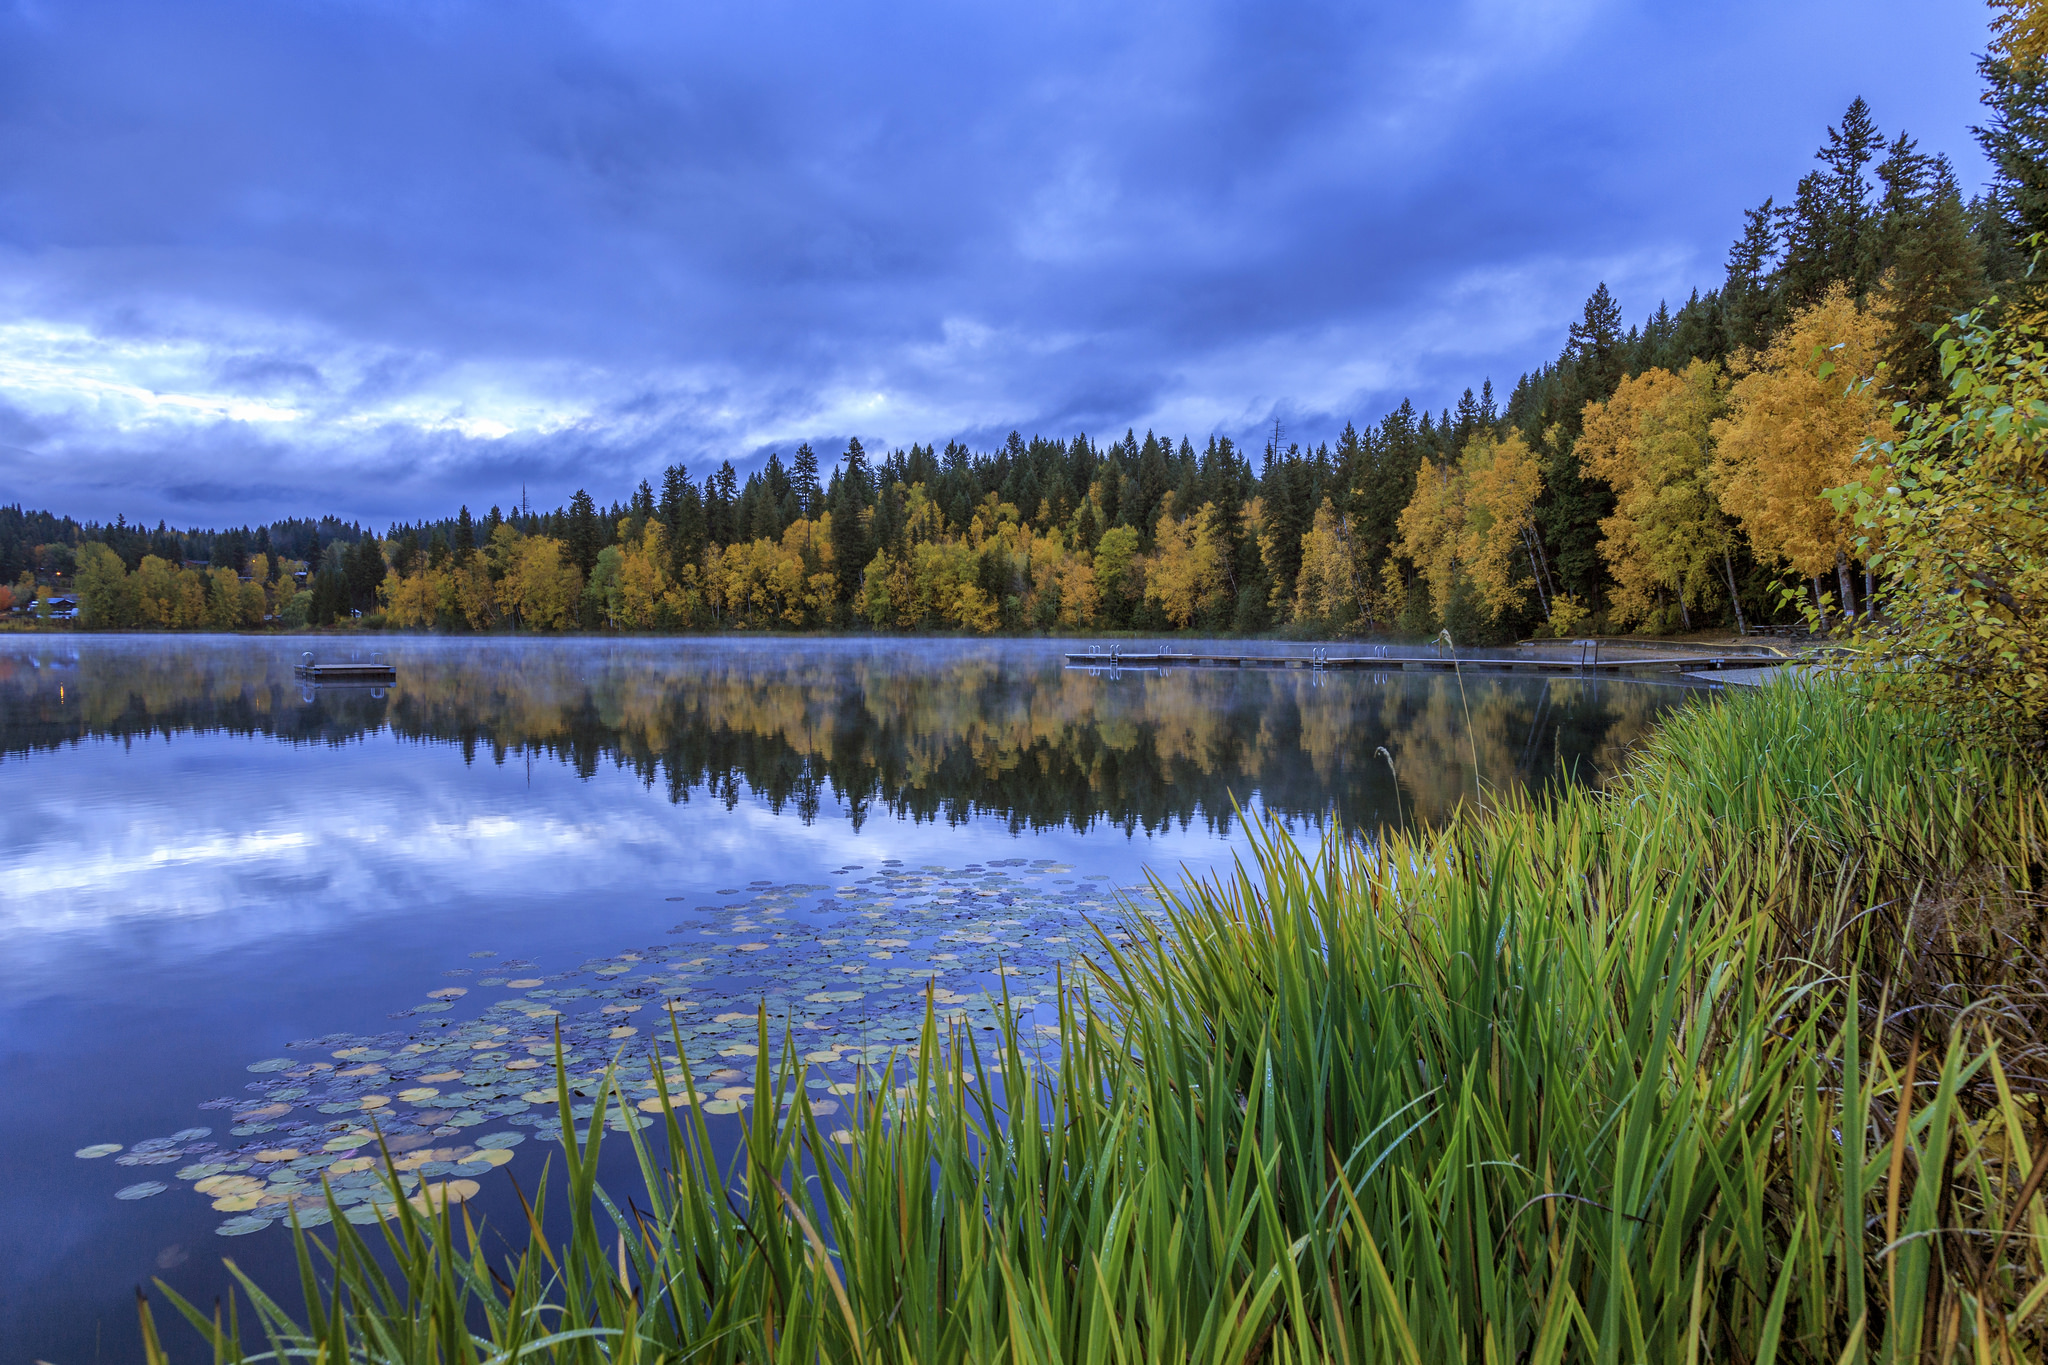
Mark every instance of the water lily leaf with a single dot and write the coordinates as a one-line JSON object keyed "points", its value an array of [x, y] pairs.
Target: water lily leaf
{"points": [[98, 1149], [243, 1226], [351, 1165], [448, 993], [271, 1064], [142, 1190]]}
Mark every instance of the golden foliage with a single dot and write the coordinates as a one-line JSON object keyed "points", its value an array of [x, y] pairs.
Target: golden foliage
{"points": [[1467, 523], [1797, 416], [1652, 442], [1188, 575], [2019, 32]]}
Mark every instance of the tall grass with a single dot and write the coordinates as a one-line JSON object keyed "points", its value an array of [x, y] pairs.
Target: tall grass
{"points": [[1564, 1081]]}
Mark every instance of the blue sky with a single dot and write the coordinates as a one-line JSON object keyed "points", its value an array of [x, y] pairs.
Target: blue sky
{"points": [[284, 257]]}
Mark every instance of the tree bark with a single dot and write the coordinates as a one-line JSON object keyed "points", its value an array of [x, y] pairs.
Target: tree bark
{"points": [[1733, 596], [1848, 590], [1542, 598]]}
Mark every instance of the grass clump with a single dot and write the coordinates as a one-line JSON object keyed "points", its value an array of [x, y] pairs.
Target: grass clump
{"points": [[1734, 1060]]}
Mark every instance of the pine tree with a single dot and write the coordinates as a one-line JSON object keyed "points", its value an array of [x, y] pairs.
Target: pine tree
{"points": [[803, 479], [850, 543], [1936, 275], [1153, 481], [2015, 141], [1573, 505], [583, 538], [682, 512], [363, 572], [1750, 307], [1824, 228], [465, 536], [642, 509]]}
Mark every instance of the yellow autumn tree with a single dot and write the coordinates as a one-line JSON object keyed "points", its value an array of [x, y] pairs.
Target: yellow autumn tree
{"points": [[1187, 575], [1503, 483], [1326, 590], [540, 585], [1797, 416], [1667, 539], [1471, 522], [1431, 530]]}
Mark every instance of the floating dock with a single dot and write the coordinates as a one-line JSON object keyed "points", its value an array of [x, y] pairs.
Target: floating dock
{"points": [[346, 673], [1374, 661]]}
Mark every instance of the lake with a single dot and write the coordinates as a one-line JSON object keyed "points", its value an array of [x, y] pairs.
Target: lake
{"points": [[249, 923]]}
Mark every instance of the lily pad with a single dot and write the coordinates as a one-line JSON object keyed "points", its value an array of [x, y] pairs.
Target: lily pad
{"points": [[98, 1149], [243, 1226], [143, 1190]]}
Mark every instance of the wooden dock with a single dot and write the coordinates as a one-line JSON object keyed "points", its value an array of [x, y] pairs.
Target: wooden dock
{"points": [[1389, 661], [373, 673]]}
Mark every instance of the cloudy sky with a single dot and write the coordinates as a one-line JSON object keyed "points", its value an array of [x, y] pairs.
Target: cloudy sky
{"points": [[284, 257]]}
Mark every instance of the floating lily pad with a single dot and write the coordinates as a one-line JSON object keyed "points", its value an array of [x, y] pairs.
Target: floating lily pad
{"points": [[243, 1226], [272, 1064], [142, 1190], [97, 1150]]}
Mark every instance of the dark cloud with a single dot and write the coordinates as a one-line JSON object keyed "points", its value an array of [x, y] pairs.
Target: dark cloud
{"points": [[399, 256]]}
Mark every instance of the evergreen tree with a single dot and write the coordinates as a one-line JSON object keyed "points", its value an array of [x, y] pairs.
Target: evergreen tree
{"points": [[465, 536], [1825, 228], [682, 513], [1154, 480], [583, 541], [803, 480], [642, 509], [1936, 274], [1750, 307], [1569, 515], [851, 549], [2015, 141], [364, 573]]}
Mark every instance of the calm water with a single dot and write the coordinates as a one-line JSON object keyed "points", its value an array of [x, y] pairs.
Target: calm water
{"points": [[228, 902]]}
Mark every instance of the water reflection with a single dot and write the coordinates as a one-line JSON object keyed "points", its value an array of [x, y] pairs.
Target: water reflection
{"points": [[925, 732]]}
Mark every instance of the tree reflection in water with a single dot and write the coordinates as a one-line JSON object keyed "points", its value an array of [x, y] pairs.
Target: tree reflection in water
{"points": [[927, 730]]}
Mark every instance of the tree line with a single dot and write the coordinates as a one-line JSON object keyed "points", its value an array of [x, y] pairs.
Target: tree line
{"points": [[1670, 475]]}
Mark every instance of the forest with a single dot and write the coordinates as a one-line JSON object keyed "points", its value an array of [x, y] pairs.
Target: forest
{"points": [[1671, 475]]}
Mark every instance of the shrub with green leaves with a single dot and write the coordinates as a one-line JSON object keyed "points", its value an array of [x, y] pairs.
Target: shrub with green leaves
{"points": [[1953, 513]]}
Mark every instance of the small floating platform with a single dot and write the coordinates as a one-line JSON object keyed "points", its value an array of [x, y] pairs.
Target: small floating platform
{"points": [[1375, 662], [346, 673]]}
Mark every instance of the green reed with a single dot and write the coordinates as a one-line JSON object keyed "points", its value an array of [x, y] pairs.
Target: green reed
{"points": [[1564, 1080]]}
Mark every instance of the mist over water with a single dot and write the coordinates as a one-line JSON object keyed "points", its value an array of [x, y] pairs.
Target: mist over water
{"points": [[207, 861]]}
